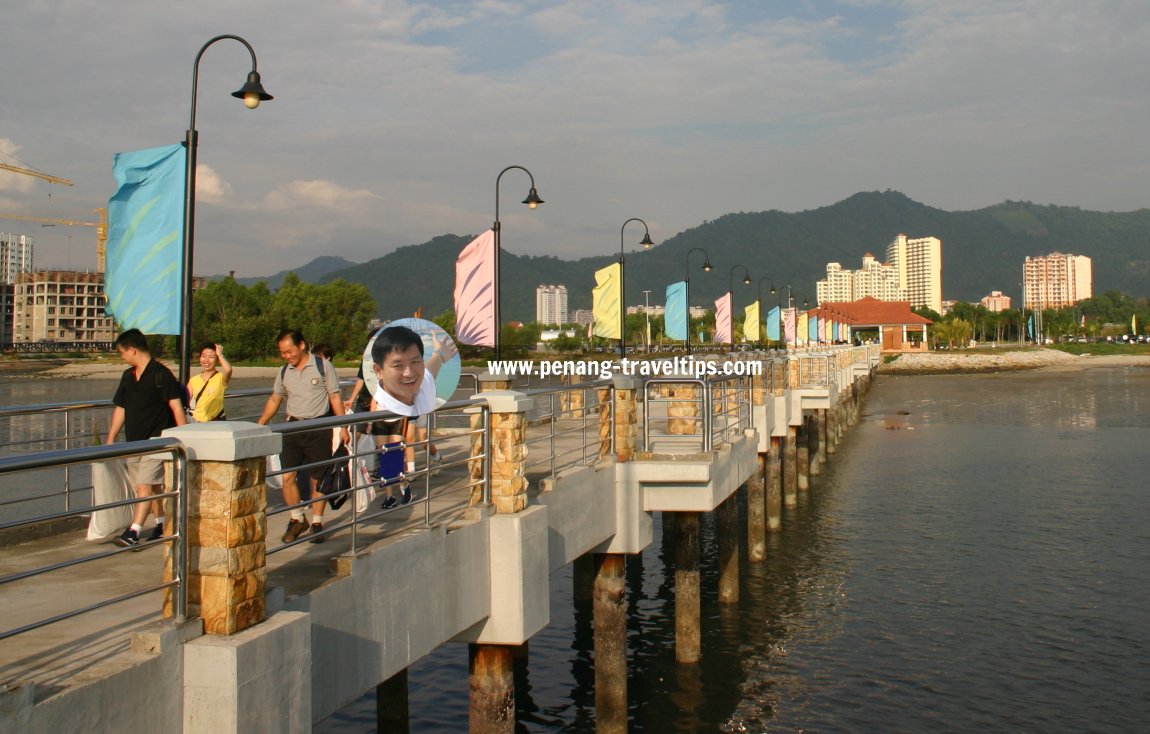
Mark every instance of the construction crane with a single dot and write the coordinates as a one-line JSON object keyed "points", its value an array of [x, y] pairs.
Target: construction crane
{"points": [[101, 229], [37, 174]]}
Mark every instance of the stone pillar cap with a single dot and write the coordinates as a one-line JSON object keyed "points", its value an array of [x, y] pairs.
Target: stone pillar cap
{"points": [[226, 440], [506, 401]]}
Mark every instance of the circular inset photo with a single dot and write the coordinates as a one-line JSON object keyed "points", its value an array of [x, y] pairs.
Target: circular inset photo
{"points": [[411, 367]]}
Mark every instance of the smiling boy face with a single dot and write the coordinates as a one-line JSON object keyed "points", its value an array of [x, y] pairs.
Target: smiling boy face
{"points": [[401, 374]]}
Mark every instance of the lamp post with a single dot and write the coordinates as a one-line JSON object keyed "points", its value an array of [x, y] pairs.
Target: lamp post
{"points": [[687, 290], [759, 289], [646, 243], [532, 201], [731, 284], [252, 93], [647, 311]]}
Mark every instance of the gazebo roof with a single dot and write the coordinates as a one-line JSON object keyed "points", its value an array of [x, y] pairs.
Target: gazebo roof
{"points": [[870, 311]]}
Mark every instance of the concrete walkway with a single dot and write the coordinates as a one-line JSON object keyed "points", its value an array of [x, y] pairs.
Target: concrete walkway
{"points": [[67, 652]]}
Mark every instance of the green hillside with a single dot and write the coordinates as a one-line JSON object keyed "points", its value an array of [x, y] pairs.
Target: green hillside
{"points": [[982, 250]]}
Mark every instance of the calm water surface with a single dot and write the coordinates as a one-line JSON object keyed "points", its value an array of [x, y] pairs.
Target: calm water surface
{"points": [[978, 564]]}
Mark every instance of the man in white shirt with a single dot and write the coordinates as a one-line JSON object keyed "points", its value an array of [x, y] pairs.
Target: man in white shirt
{"points": [[406, 387]]}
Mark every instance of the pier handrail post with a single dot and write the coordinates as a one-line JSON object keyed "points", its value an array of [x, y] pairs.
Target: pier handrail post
{"points": [[225, 523], [507, 457], [625, 410]]}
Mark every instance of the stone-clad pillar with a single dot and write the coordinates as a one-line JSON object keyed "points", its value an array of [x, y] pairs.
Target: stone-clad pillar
{"points": [[226, 523], [683, 410], [508, 458], [626, 414]]}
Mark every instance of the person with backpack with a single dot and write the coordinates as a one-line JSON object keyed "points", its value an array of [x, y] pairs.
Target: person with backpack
{"points": [[310, 387], [207, 388], [148, 400]]}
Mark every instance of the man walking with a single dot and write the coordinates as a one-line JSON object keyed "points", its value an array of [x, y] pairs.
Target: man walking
{"points": [[311, 388], [148, 400]]}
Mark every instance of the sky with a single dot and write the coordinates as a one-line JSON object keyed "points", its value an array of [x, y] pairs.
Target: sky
{"points": [[392, 119]]}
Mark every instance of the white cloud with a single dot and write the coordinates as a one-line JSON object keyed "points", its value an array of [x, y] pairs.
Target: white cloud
{"points": [[210, 188], [318, 194], [10, 181]]}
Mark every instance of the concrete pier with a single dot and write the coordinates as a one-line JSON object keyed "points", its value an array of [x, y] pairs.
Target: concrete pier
{"points": [[287, 652], [687, 600], [610, 643]]}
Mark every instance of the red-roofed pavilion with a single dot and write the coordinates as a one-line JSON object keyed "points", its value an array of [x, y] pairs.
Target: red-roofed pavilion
{"points": [[899, 328]]}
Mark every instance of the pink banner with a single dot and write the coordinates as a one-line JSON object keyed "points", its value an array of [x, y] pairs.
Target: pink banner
{"points": [[475, 292], [723, 320], [789, 325]]}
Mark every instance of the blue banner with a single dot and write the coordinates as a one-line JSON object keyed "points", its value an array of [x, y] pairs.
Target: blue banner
{"points": [[1030, 327], [774, 324], [144, 280], [813, 328], [675, 313]]}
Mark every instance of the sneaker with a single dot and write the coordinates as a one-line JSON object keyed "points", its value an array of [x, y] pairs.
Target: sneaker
{"points": [[157, 532], [317, 533], [295, 528], [128, 539], [406, 494], [389, 503], [436, 461]]}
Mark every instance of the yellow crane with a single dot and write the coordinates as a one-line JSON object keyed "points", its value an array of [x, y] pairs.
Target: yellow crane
{"points": [[37, 174], [101, 229]]}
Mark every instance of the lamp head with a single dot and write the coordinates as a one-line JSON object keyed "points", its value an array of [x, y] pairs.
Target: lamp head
{"points": [[646, 241], [773, 291], [252, 92], [707, 266], [532, 199], [746, 280]]}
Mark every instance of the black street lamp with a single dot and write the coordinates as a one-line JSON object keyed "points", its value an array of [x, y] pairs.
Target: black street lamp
{"points": [[532, 201], [746, 281], [252, 93], [647, 244], [687, 290]]}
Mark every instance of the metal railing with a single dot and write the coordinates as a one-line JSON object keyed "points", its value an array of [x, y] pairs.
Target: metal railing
{"points": [[557, 414], [361, 490], [10, 466], [721, 409]]}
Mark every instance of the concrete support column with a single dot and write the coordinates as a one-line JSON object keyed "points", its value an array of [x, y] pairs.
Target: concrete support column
{"points": [[727, 520], [803, 455], [610, 643], [821, 438], [832, 428], [774, 485], [226, 523], [491, 688], [756, 512], [391, 705], [791, 467], [687, 603]]}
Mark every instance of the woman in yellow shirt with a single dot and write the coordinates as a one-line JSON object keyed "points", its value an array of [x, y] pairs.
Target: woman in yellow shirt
{"points": [[207, 388]]}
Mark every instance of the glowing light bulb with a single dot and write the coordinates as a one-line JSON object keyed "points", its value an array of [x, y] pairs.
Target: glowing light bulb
{"points": [[252, 100]]}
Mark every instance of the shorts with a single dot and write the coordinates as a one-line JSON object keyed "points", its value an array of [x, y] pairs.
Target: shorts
{"points": [[387, 427], [146, 469], [307, 447], [421, 421]]}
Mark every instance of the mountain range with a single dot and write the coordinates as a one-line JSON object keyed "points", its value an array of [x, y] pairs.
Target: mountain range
{"points": [[982, 250]]}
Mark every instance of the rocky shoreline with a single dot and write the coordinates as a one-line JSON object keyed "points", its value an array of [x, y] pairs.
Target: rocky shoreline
{"points": [[935, 363]]}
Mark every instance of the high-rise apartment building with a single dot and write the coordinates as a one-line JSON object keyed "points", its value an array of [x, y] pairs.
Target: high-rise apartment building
{"points": [[15, 258], [551, 304], [1056, 280], [62, 306], [873, 279], [919, 266], [995, 302]]}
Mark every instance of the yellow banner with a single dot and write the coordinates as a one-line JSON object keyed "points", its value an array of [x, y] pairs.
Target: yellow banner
{"points": [[607, 301], [803, 332], [751, 324]]}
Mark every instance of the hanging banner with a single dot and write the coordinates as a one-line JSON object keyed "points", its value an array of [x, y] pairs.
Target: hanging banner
{"points": [[675, 312], [475, 292], [774, 318], [751, 323], [723, 319], [606, 301], [144, 279]]}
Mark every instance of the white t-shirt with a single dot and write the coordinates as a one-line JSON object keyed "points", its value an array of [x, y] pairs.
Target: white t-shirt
{"points": [[424, 401]]}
